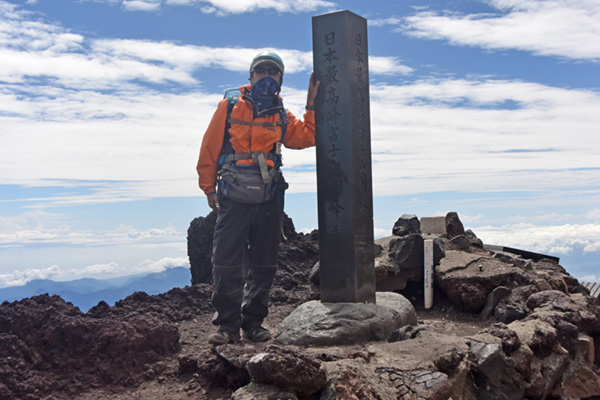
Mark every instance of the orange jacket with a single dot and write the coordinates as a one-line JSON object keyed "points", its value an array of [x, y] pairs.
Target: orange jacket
{"points": [[246, 138]]}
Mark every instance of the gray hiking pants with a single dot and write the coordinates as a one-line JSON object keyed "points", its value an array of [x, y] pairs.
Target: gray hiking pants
{"points": [[245, 253]]}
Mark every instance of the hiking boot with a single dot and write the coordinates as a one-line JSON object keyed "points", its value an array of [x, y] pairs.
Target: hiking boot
{"points": [[257, 334], [223, 337]]}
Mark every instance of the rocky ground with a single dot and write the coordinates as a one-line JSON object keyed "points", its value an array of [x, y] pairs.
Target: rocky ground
{"points": [[155, 347]]}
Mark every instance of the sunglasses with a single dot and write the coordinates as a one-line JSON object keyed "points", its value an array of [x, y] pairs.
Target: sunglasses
{"points": [[270, 71]]}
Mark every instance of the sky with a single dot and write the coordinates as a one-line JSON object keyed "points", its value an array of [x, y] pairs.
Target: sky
{"points": [[490, 108]]}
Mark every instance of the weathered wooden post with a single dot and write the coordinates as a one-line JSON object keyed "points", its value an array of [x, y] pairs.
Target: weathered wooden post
{"points": [[344, 182]]}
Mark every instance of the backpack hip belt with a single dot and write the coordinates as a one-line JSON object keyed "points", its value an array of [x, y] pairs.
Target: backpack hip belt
{"points": [[258, 158]]}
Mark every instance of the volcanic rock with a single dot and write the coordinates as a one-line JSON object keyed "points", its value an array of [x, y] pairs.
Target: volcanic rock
{"points": [[199, 243], [288, 369], [49, 345], [259, 391], [407, 252], [407, 224], [454, 226], [581, 383], [329, 324], [494, 374]]}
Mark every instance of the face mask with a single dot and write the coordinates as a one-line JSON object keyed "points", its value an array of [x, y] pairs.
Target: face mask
{"points": [[263, 92], [267, 86]]}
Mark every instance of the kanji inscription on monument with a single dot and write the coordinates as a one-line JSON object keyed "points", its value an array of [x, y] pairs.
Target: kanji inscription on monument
{"points": [[344, 182]]}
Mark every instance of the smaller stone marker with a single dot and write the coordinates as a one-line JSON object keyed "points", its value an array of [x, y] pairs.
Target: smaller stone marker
{"points": [[433, 225], [428, 273]]}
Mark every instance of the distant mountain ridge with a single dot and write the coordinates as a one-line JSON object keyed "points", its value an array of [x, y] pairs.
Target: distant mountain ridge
{"points": [[87, 292]]}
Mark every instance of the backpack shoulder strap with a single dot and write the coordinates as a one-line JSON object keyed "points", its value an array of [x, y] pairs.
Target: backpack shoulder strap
{"points": [[284, 122], [232, 96], [233, 93]]}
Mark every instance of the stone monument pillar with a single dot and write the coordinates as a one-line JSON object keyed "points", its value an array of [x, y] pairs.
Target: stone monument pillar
{"points": [[344, 183]]}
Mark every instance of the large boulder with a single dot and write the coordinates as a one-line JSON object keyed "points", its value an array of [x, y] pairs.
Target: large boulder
{"points": [[400, 304], [199, 244], [581, 383], [514, 306], [467, 279], [330, 324], [539, 336], [388, 274], [589, 310], [407, 224], [260, 391], [553, 298], [288, 369], [454, 226], [494, 374], [510, 340], [407, 252], [547, 372]]}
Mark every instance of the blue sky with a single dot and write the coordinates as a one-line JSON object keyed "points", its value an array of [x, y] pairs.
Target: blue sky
{"points": [[490, 108]]}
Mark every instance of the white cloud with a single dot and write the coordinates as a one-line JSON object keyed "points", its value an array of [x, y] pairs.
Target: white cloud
{"points": [[188, 58], [562, 28], [149, 266], [32, 219], [388, 66], [377, 22], [381, 232], [225, 7], [81, 71], [142, 5], [36, 51], [569, 236], [442, 135], [102, 271], [86, 136], [19, 278], [21, 29], [39, 53], [594, 215], [97, 269], [40, 227], [590, 278], [548, 239]]}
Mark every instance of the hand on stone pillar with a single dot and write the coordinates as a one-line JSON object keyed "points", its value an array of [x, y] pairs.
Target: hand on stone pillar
{"points": [[313, 88]]}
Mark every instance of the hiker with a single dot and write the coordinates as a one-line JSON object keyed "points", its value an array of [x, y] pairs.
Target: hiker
{"points": [[239, 171]]}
